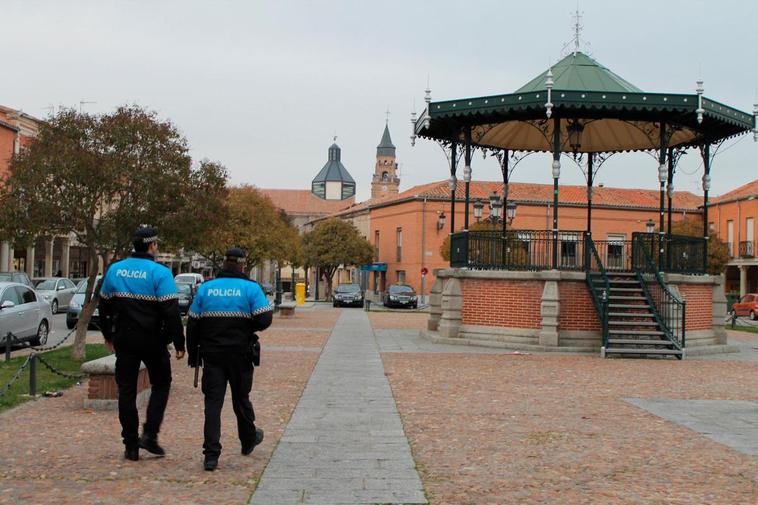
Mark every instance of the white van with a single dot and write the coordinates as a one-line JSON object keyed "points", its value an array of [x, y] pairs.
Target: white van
{"points": [[193, 279]]}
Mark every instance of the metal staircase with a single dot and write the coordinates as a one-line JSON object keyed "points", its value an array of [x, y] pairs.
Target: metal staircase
{"points": [[629, 309]]}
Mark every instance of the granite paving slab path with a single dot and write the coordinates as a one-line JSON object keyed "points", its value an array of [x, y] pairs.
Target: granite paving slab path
{"points": [[345, 442]]}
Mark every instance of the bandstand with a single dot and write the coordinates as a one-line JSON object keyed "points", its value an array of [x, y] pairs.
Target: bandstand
{"points": [[564, 290]]}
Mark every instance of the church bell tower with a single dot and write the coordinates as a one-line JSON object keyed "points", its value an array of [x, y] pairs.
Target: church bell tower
{"points": [[385, 180]]}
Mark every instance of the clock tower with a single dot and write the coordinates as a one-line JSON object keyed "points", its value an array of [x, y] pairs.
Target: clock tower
{"points": [[385, 180]]}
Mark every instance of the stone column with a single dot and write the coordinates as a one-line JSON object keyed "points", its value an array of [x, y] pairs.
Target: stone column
{"points": [[30, 260], [719, 311], [65, 256], [49, 257], [452, 305], [435, 305], [743, 280], [550, 309], [5, 259]]}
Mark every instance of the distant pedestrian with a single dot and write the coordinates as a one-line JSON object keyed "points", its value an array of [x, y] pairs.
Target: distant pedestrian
{"points": [[139, 314], [59, 273], [223, 319]]}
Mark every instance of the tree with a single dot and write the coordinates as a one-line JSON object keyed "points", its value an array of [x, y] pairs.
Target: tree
{"points": [[100, 178], [334, 243], [718, 252], [480, 226], [254, 224]]}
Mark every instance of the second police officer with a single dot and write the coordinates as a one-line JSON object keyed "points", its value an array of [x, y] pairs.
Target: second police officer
{"points": [[223, 319]]}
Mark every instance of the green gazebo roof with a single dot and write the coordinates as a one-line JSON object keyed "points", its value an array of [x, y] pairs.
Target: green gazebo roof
{"points": [[579, 72], [616, 115]]}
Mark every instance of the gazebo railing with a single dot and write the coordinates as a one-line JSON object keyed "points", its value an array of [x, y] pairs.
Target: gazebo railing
{"points": [[532, 250]]}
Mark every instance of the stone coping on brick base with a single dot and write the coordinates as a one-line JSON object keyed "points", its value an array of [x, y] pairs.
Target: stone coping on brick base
{"points": [[102, 390], [552, 310]]}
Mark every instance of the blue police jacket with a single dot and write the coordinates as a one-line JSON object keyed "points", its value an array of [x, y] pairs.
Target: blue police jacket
{"points": [[226, 313], [139, 295]]}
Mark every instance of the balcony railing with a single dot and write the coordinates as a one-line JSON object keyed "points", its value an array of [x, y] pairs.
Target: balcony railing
{"points": [[747, 249], [533, 250]]}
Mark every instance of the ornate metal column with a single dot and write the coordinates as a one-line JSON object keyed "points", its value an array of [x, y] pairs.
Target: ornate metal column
{"points": [[467, 175], [590, 157], [504, 169], [556, 175], [662, 175], [670, 197], [706, 151], [453, 184]]}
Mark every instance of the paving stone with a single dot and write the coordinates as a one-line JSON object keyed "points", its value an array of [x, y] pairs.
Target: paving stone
{"points": [[346, 402]]}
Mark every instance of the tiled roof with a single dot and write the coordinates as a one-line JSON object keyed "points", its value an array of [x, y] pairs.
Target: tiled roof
{"points": [[749, 189], [303, 202], [543, 193]]}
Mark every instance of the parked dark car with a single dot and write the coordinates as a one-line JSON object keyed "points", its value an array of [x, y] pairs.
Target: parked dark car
{"points": [[267, 288], [400, 295], [186, 295], [348, 294], [19, 277], [75, 307]]}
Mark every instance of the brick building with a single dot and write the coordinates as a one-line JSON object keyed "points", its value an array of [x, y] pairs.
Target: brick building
{"points": [[733, 218]]}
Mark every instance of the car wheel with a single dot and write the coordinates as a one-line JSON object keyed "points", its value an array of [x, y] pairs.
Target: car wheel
{"points": [[752, 315], [54, 306], [733, 314], [335, 304], [41, 337], [415, 305], [70, 324]]}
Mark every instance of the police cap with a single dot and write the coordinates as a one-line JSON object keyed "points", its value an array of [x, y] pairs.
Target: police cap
{"points": [[235, 254], [146, 235]]}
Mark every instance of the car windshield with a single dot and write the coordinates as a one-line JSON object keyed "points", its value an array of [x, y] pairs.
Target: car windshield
{"points": [[47, 284], [348, 288], [401, 289], [83, 285], [6, 278], [184, 289], [185, 278]]}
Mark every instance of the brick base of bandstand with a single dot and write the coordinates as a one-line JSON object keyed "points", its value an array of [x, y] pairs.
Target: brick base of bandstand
{"points": [[102, 390], [553, 311]]}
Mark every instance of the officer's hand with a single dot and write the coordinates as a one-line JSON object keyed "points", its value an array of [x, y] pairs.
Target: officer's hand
{"points": [[109, 345], [179, 354]]}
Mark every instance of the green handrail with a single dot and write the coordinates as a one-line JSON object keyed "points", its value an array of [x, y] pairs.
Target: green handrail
{"points": [[600, 299]]}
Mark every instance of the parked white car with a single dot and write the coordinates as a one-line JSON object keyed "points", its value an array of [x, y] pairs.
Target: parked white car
{"points": [[57, 291], [24, 314], [192, 279]]}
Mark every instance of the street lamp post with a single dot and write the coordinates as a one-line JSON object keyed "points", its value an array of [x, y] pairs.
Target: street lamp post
{"points": [[478, 206]]}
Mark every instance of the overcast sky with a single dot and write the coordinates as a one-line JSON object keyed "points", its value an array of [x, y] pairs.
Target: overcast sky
{"points": [[263, 86]]}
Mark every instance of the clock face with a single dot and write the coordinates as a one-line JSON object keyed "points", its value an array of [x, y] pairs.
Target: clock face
{"points": [[384, 187]]}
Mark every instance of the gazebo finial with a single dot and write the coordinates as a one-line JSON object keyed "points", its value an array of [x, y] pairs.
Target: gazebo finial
{"points": [[549, 86], [755, 122], [577, 29], [427, 92], [413, 125], [700, 109]]}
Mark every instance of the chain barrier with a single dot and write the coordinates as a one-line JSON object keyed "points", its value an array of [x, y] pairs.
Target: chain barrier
{"points": [[740, 321], [58, 372], [55, 346], [16, 376]]}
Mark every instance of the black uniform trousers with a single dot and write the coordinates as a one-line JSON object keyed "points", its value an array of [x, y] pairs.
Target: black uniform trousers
{"points": [[236, 368], [131, 349]]}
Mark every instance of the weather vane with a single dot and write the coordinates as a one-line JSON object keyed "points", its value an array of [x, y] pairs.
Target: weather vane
{"points": [[575, 44], [387, 121]]}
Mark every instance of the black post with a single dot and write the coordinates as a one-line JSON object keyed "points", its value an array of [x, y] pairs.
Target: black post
{"points": [[706, 186], [453, 153], [467, 175], [278, 294], [589, 194], [8, 346], [661, 161], [556, 174], [670, 196], [33, 375], [504, 168]]}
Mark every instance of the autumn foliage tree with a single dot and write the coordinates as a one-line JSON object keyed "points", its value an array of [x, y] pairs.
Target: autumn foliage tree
{"points": [[100, 177], [334, 243], [718, 252]]}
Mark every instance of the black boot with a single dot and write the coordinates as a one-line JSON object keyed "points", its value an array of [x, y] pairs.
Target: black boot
{"points": [[150, 444], [210, 463], [247, 447], [131, 453]]}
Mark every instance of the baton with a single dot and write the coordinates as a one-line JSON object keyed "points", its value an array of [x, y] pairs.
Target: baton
{"points": [[197, 366]]}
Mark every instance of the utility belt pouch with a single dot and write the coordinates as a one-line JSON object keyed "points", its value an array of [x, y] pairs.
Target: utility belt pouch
{"points": [[255, 351]]}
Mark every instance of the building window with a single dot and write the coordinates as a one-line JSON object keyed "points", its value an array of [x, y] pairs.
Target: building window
{"points": [[399, 238], [401, 276], [615, 254], [569, 247], [376, 245]]}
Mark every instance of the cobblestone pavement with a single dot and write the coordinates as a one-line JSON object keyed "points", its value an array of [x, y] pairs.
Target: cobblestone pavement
{"points": [[55, 452], [345, 443]]}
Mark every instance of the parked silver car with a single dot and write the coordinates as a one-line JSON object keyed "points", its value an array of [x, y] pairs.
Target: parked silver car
{"points": [[57, 291], [23, 314]]}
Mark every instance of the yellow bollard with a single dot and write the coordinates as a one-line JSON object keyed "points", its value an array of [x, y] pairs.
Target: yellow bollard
{"points": [[300, 293]]}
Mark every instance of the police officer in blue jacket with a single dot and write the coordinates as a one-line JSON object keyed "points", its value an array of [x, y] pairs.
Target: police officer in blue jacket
{"points": [[223, 319], [139, 314]]}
